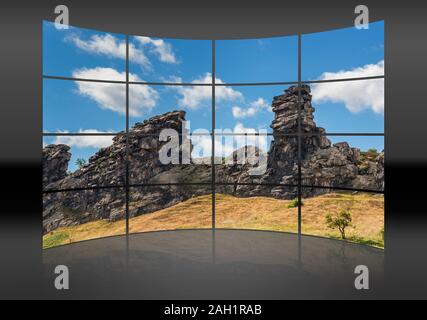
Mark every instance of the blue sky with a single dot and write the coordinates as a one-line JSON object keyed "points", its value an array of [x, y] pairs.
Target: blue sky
{"points": [[171, 60], [341, 49], [258, 60], [71, 106], [61, 56]]}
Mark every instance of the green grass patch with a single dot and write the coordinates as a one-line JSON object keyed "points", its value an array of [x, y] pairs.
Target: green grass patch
{"points": [[55, 239]]}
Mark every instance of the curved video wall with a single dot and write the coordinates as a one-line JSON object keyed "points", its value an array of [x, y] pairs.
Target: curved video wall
{"points": [[144, 134]]}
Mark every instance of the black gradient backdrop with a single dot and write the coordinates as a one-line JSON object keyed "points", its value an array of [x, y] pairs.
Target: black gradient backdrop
{"points": [[20, 111]]}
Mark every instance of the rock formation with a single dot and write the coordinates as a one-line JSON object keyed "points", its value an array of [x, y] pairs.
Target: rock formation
{"points": [[322, 164], [108, 167], [55, 163]]}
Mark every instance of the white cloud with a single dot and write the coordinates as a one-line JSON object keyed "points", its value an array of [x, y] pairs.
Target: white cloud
{"points": [[194, 96], [356, 95], [254, 107], [112, 96], [159, 47], [85, 141], [260, 103], [110, 46]]}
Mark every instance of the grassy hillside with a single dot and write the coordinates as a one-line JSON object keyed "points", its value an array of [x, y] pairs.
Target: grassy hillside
{"points": [[262, 213]]}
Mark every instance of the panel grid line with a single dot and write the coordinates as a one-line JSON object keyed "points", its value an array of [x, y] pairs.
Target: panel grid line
{"points": [[213, 136], [231, 84], [299, 136], [142, 185], [64, 134], [127, 138]]}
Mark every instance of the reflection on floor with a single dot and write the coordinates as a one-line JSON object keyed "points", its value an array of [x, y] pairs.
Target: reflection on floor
{"points": [[225, 264]]}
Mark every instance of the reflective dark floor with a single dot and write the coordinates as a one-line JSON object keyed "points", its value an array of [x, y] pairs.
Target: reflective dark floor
{"points": [[220, 264]]}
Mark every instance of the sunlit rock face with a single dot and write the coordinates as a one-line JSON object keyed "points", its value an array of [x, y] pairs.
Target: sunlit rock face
{"points": [[322, 164]]}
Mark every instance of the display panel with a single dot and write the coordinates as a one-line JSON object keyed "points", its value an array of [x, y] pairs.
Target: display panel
{"points": [[165, 207], [341, 107], [83, 53], [242, 109], [170, 60], [257, 60], [83, 107], [193, 102], [138, 133], [243, 158], [82, 161], [345, 215], [355, 162], [343, 53], [74, 216], [253, 207], [169, 158]]}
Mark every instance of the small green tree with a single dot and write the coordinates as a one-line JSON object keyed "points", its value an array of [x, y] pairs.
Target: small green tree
{"points": [[340, 221], [80, 162], [294, 203]]}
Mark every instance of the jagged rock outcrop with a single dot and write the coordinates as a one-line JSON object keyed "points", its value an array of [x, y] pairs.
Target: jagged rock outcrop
{"points": [[370, 171], [322, 164], [108, 167], [55, 163]]}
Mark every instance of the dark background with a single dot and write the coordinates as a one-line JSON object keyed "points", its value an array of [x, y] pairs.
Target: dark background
{"points": [[20, 111]]}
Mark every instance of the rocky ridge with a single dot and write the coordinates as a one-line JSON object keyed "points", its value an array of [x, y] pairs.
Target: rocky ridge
{"points": [[323, 164], [55, 163]]}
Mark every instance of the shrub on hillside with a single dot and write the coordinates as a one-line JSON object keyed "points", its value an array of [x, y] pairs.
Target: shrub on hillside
{"points": [[294, 203], [341, 221]]}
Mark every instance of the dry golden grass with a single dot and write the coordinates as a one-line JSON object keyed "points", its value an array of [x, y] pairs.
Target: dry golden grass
{"points": [[255, 213], [261, 213], [193, 213], [86, 231], [367, 212]]}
